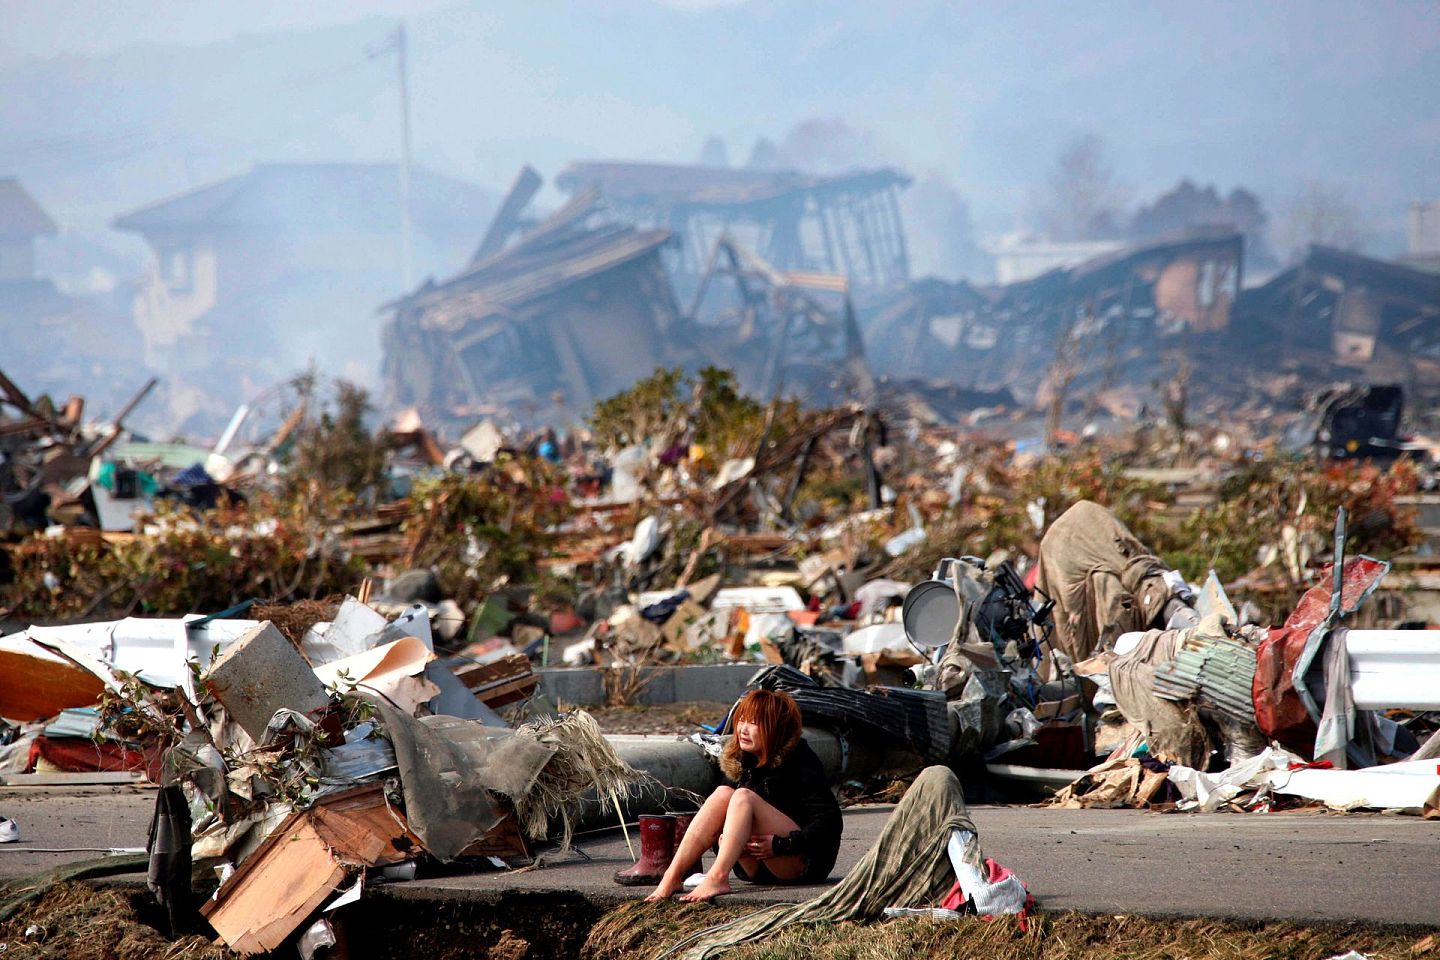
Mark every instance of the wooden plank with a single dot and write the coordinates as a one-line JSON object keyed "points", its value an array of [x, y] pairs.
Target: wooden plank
{"points": [[521, 688], [363, 829], [504, 841], [275, 889], [507, 218], [298, 866], [501, 681], [477, 675]]}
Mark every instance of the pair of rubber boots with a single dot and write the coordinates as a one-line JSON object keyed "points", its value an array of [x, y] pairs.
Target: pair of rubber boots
{"points": [[660, 837]]}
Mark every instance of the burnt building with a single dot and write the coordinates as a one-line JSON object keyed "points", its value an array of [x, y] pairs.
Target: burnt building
{"points": [[846, 224], [539, 331], [1109, 318], [551, 316], [1374, 320]]}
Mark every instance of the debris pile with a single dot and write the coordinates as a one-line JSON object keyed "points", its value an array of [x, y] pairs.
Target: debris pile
{"points": [[962, 587], [294, 771]]}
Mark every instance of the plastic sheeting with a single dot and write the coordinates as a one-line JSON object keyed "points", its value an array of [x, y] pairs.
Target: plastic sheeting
{"points": [[449, 769]]}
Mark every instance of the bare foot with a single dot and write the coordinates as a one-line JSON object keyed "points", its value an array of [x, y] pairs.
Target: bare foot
{"points": [[663, 891], [709, 889]]}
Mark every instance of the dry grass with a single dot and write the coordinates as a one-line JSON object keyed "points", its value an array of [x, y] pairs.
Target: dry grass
{"points": [[641, 931], [80, 922], [293, 619], [583, 760], [623, 684]]}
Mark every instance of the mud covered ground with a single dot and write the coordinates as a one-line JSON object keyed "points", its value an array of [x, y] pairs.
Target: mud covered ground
{"points": [[634, 931], [87, 922]]}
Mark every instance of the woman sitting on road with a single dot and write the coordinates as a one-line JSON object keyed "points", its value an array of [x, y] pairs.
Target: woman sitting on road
{"points": [[779, 823]]}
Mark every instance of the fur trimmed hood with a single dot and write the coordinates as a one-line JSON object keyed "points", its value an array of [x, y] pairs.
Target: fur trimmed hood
{"points": [[730, 759]]}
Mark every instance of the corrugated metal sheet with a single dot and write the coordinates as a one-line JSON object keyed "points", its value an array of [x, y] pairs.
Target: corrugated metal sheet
{"points": [[75, 722], [355, 761], [1219, 672]]}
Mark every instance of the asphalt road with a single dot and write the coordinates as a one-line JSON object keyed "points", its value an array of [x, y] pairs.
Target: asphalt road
{"points": [[1376, 868]]}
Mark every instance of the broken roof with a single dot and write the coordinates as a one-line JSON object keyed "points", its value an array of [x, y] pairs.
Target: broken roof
{"points": [[20, 215], [1121, 262], [1395, 279], [535, 267], [355, 194], [674, 184]]}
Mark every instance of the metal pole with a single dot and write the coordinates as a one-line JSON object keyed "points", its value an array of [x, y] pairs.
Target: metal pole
{"points": [[406, 256]]}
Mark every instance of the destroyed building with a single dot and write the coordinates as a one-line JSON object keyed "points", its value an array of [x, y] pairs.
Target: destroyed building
{"points": [[290, 255], [1110, 317], [1340, 312], [561, 319], [800, 284], [785, 333], [550, 317], [846, 224]]}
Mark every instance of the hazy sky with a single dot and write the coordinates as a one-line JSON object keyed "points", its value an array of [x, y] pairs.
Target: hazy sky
{"points": [[108, 104], [42, 28]]}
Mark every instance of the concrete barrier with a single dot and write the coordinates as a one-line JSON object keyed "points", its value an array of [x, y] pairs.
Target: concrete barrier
{"points": [[585, 686]]}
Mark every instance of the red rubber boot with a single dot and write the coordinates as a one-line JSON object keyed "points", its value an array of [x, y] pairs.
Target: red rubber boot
{"points": [[657, 846], [682, 823]]}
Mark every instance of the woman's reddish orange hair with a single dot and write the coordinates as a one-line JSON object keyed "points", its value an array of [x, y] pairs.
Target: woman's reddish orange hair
{"points": [[777, 716]]}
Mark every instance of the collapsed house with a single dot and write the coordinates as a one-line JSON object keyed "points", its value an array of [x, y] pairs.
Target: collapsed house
{"points": [[1379, 320], [800, 284], [551, 316], [559, 320], [1116, 323], [789, 333], [848, 224], [1110, 317]]}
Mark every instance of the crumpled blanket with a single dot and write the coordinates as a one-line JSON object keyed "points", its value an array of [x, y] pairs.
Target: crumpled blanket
{"points": [[1103, 580], [909, 866]]}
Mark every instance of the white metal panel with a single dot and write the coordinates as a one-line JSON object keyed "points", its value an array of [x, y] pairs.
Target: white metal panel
{"points": [[1394, 669]]}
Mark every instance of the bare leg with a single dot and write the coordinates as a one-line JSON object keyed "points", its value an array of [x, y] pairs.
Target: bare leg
{"points": [[702, 833], [748, 814]]}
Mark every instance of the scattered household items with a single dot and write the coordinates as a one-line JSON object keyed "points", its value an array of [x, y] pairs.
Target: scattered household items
{"points": [[49, 457], [927, 597], [292, 766], [1237, 716]]}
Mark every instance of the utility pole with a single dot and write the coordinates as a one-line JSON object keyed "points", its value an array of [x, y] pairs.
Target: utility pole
{"points": [[407, 264]]}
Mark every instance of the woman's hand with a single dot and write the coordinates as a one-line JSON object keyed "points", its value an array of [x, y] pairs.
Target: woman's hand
{"points": [[761, 846]]}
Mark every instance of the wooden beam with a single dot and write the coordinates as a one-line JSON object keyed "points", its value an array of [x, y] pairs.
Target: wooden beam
{"points": [[507, 218]]}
